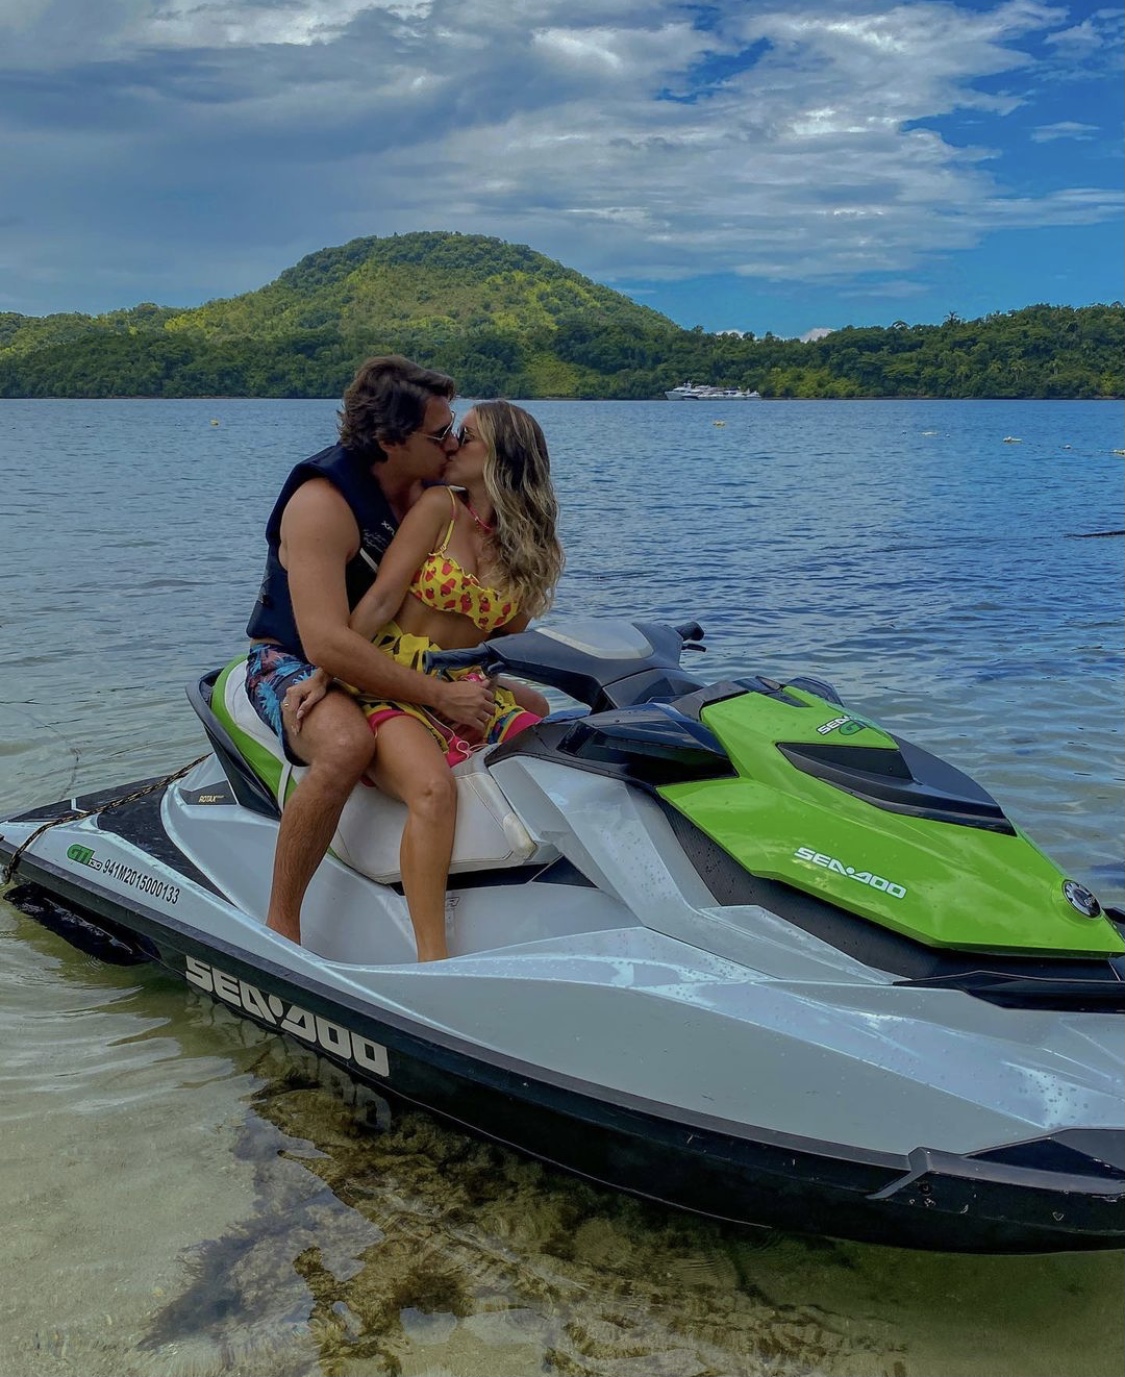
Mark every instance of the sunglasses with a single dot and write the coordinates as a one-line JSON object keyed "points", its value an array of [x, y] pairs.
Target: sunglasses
{"points": [[439, 437], [464, 435]]}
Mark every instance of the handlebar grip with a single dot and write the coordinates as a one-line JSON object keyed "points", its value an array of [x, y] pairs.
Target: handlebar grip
{"points": [[690, 631], [474, 657]]}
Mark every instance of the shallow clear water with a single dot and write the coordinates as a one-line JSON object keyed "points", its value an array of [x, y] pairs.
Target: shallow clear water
{"points": [[183, 1193]]}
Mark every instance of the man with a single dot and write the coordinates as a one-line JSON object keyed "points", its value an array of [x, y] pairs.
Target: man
{"points": [[335, 516]]}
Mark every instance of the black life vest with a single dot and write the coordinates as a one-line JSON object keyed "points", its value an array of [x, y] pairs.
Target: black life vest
{"points": [[272, 618]]}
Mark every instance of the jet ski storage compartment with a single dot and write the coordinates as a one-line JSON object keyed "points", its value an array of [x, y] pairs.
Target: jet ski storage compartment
{"points": [[908, 780], [879, 828]]}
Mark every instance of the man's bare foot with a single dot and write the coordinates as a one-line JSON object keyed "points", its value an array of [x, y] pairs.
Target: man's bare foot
{"points": [[432, 951], [289, 930]]}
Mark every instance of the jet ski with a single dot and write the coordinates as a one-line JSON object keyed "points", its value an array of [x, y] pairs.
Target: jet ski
{"points": [[730, 946]]}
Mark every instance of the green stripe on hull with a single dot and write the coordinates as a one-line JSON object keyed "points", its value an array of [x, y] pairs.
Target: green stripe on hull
{"points": [[266, 766]]}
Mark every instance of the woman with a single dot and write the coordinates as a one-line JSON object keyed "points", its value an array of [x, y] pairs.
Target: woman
{"points": [[464, 566]]}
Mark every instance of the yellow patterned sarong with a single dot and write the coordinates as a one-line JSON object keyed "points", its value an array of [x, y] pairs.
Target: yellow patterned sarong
{"points": [[406, 649]]}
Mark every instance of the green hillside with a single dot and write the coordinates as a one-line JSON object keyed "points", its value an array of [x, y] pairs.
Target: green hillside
{"points": [[503, 319], [487, 311]]}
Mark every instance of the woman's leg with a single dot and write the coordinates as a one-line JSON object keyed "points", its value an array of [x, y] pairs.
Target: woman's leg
{"points": [[409, 765], [511, 715], [531, 700]]}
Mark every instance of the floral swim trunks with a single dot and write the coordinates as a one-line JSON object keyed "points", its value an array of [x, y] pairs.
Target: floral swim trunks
{"points": [[270, 673]]}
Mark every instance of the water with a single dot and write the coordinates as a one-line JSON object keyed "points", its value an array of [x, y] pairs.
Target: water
{"points": [[187, 1195]]}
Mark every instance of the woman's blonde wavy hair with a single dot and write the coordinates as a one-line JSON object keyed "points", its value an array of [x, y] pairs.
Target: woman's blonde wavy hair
{"points": [[517, 477]]}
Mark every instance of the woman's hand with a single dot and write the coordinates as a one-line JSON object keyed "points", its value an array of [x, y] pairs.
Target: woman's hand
{"points": [[303, 697]]}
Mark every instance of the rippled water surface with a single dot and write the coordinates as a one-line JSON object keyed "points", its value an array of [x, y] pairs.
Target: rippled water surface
{"points": [[184, 1194]]}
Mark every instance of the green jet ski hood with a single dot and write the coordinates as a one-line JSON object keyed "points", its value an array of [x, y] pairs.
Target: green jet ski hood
{"points": [[827, 802]]}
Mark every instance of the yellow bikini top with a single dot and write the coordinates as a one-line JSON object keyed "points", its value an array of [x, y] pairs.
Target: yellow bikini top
{"points": [[443, 584]]}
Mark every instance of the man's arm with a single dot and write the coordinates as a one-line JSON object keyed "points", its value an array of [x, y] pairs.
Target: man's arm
{"points": [[318, 537], [413, 542]]}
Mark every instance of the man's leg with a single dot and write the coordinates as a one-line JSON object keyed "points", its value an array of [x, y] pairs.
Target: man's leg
{"points": [[338, 746], [410, 766]]}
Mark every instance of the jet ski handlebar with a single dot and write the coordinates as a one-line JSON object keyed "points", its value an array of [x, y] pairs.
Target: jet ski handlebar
{"points": [[481, 657], [601, 663], [490, 656]]}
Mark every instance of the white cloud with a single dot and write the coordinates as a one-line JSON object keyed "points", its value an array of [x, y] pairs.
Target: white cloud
{"points": [[805, 141], [1095, 45], [1063, 129], [221, 24], [593, 49]]}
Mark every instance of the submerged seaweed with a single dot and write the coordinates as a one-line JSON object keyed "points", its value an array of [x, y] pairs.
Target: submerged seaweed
{"points": [[383, 1240]]}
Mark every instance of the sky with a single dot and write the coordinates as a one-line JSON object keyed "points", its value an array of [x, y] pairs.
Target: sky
{"points": [[783, 167]]}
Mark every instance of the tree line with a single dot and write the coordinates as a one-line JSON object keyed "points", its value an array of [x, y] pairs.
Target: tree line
{"points": [[506, 321]]}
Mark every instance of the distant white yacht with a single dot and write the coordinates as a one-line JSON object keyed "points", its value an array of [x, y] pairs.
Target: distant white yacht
{"points": [[703, 392]]}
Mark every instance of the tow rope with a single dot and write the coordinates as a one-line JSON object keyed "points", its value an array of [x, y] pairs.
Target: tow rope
{"points": [[77, 814]]}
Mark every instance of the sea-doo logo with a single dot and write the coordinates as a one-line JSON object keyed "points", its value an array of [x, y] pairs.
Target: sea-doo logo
{"points": [[274, 1012], [846, 726], [865, 877]]}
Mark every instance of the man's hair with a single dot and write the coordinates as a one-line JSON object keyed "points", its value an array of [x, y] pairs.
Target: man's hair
{"points": [[388, 397]]}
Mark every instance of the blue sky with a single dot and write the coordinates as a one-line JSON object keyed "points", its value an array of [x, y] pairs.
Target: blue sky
{"points": [[766, 167]]}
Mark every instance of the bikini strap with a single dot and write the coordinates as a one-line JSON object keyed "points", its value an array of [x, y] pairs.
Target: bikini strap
{"points": [[452, 522]]}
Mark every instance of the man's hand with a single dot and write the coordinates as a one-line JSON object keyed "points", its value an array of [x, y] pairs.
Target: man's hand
{"points": [[303, 697], [467, 703]]}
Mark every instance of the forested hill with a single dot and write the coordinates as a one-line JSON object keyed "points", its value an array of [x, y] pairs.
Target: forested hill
{"points": [[505, 320]]}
